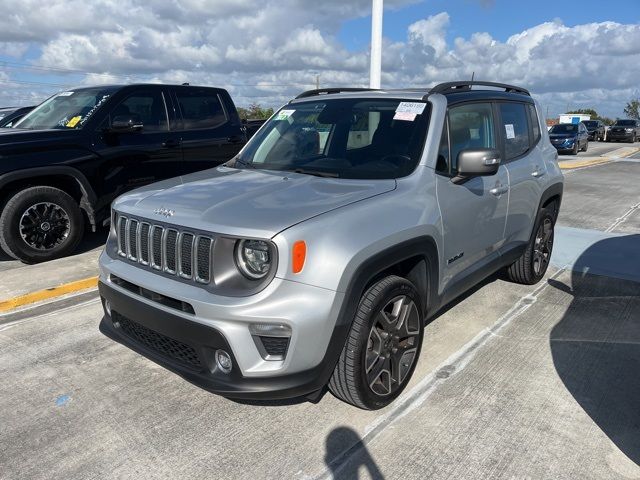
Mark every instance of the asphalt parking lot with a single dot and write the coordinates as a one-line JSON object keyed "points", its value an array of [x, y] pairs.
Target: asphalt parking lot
{"points": [[513, 381]]}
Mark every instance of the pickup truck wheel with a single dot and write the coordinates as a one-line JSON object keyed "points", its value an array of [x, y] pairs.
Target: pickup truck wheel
{"points": [[383, 345], [39, 224], [532, 265]]}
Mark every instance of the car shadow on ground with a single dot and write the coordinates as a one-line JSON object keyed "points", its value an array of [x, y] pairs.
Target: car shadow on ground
{"points": [[596, 345], [346, 456], [90, 241]]}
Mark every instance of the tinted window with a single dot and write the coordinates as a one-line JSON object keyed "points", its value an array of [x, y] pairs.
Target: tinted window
{"points": [[200, 109], [148, 107], [626, 123], [535, 124], [590, 123], [564, 128], [346, 138], [515, 129], [470, 126]]}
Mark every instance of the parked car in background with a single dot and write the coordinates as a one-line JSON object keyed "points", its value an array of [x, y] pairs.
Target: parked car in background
{"points": [[625, 130], [569, 137], [9, 116], [314, 257], [596, 129], [66, 160]]}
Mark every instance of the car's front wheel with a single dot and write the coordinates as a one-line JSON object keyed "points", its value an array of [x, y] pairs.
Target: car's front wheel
{"points": [[382, 347], [39, 224]]}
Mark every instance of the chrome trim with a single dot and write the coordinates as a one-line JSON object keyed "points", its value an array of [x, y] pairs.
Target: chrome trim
{"points": [[164, 251], [121, 219], [154, 265], [210, 256], [179, 243], [148, 261], [128, 234]]}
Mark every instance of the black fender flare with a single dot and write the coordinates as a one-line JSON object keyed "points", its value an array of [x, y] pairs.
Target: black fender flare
{"points": [[89, 197]]}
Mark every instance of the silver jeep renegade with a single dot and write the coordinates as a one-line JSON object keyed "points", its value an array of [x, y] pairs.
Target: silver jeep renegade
{"points": [[314, 258]]}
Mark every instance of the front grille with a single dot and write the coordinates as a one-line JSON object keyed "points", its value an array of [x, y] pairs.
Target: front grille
{"points": [[166, 249], [159, 343]]}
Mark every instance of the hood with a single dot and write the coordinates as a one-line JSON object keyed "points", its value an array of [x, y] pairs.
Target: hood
{"points": [[252, 203], [17, 136]]}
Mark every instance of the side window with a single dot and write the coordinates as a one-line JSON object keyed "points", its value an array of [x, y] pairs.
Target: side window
{"points": [[148, 107], [535, 124], [200, 109], [515, 129], [470, 126], [442, 163]]}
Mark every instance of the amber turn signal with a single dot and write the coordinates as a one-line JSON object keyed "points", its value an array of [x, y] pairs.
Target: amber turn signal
{"points": [[299, 255]]}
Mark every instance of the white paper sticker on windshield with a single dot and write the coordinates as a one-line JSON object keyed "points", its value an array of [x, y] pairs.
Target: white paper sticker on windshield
{"points": [[284, 114], [407, 116], [511, 133], [411, 107], [65, 94]]}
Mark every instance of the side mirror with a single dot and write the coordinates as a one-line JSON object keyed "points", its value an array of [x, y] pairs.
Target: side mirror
{"points": [[126, 123], [477, 162]]}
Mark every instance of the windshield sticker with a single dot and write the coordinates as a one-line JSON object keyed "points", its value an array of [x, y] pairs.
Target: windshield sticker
{"points": [[63, 122], [284, 114], [65, 94], [511, 133], [411, 107], [406, 116], [93, 109], [73, 122]]}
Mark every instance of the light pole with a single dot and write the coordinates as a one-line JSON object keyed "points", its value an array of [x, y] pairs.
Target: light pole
{"points": [[376, 44]]}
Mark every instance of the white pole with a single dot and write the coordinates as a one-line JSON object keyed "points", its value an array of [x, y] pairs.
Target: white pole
{"points": [[376, 44]]}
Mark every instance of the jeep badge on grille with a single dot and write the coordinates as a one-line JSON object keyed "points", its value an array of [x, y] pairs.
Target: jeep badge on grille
{"points": [[164, 211]]}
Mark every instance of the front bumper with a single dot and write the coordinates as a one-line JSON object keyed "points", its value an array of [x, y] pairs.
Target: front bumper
{"points": [[185, 343], [620, 136], [564, 146]]}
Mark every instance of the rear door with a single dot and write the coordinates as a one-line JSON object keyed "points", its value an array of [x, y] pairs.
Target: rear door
{"points": [[208, 133], [522, 154], [474, 212]]}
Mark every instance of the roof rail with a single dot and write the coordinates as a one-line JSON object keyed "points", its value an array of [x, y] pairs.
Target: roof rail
{"points": [[326, 91], [453, 87]]}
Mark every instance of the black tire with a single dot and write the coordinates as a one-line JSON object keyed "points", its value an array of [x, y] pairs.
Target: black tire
{"points": [[533, 263], [363, 357], [576, 148], [586, 146], [39, 224]]}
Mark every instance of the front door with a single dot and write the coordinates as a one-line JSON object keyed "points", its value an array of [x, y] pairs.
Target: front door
{"points": [[474, 212]]}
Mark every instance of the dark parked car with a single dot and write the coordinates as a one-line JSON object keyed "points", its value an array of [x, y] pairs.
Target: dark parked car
{"points": [[9, 116], [65, 161], [627, 130], [571, 137], [596, 129]]}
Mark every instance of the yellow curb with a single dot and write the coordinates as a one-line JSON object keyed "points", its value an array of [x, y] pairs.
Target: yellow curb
{"points": [[632, 152], [53, 292], [584, 163]]}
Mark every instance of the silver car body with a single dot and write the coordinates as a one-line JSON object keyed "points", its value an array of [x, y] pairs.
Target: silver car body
{"points": [[344, 224]]}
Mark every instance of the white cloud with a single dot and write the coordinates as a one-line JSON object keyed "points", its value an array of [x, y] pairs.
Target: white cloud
{"points": [[269, 51]]}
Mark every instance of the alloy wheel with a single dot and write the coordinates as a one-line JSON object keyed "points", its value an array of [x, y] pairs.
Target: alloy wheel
{"points": [[44, 225], [542, 246], [392, 345]]}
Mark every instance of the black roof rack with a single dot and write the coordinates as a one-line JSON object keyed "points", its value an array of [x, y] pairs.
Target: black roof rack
{"points": [[454, 87], [326, 91]]}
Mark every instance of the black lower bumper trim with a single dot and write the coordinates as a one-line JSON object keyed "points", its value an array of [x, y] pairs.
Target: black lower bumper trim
{"points": [[188, 348]]}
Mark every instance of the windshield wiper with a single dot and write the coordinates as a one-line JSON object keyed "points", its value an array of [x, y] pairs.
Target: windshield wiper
{"points": [[316, 173]]}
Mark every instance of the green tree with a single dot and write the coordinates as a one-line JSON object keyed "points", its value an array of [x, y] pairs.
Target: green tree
{"points": [[632, 110], [594, 115], [255, 111]]}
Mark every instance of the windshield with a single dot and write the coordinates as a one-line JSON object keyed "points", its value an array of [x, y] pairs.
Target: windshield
{"points": [[346, 138], [66, 110], [626, 123], [564, 128], [590, 123]]}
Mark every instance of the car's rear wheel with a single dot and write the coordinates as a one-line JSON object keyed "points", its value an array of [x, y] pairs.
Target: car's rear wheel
{"points": [[586, 146], [39, 224], [533, 263], [382, 347]]}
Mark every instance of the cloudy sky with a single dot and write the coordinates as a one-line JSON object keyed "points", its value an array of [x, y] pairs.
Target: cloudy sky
{"points": [[570, 54]]}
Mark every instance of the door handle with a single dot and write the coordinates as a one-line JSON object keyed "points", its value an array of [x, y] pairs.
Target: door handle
{"points": [[537, 172], [235, 139], [498, 190], [171, 143]]}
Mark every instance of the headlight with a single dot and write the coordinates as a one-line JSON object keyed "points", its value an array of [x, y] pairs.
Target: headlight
{"points": [[628, 129], [253, 258]]}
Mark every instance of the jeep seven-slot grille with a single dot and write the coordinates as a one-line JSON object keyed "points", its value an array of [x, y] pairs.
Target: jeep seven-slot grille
{"points": [[166, 249]]}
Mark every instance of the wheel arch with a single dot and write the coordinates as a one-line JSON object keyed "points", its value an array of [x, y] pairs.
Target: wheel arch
{"points": [[67, 179]]}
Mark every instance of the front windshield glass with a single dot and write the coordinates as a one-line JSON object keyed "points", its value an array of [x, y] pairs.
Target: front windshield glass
{"points": [[590, 123], [66, 110], [626, 123], [346, 138], [564, 128]]}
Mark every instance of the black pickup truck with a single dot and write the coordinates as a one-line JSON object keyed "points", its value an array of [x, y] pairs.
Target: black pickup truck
{"points": [[62, 165]]}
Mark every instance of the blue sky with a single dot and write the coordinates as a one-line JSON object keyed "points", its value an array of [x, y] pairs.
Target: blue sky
{"points": [[500, 18]]}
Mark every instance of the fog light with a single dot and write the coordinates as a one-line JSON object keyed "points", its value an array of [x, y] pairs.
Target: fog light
{"points": [[270, 329], [223, 360], [107, 307]]}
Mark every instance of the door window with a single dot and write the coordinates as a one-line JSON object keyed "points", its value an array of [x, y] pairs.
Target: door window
{"points": [[149, 107], [515, 129], [200, 109], [470, 126]]}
